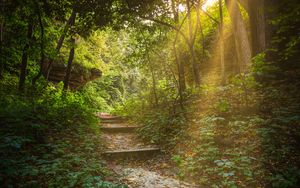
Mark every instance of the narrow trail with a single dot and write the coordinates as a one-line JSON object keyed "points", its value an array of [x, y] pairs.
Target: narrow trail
{"points": [[138, 164]]}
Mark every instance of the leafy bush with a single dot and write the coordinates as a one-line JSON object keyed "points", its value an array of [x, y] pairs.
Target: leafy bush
{"points": [[223, 105], [161, 128], [221, 157], [49, 138], [249, 139], [261, 68], [133, 106]]}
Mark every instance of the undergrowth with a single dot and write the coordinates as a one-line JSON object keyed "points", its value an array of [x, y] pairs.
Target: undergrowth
{"points": [[249, 138], [49, 138], [162, 124], [162, 128]]}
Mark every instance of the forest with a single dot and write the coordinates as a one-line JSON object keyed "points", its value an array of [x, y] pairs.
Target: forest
{"points": [[150, 93]]}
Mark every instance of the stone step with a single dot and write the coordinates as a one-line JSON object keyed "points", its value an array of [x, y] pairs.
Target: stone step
{"points": [[114, 120], [119, 129], [110, 117], [122, 124], [134, 153]]}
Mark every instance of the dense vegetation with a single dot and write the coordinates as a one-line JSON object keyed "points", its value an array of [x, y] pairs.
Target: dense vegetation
{"points": [[224, 108]]}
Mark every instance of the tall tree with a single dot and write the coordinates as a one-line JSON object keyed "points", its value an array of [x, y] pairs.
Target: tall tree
{"points": [[257, 26], [256, 10], [1, 45], [221, 31], [242, 44], [153, 80], [72, 52], [159, 12], [42, 42], [195, 65], [69, 66], [69, 23], [180, 63], [23, 67]]}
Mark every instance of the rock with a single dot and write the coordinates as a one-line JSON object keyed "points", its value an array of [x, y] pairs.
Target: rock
{"points": [[79, 75]]}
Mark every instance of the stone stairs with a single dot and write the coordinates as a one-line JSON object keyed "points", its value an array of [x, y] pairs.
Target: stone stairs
{"points": [[122, 141]]}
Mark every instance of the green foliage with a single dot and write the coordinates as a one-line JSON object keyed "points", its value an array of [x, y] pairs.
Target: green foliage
{"points": [[262, 68], [180, 162], [132, 107], [104, 94], [288, 178], [223, 156], [223, 105], [287, 40], [244, 82], [49, 138], [248, 140], [239, 93], [100, 50], [161, 128]]}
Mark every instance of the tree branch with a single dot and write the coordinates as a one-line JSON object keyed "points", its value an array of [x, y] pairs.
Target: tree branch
{"points": [[210, 16], [167, 25]]}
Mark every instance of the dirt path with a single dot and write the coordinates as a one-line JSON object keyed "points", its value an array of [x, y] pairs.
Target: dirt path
{"points": [[138, 164]]}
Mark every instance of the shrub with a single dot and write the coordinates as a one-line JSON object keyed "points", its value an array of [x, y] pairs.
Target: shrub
{"points": [[49, 138]]}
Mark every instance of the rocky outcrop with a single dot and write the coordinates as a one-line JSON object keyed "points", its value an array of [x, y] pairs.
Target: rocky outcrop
{"points": [[79, 74]]}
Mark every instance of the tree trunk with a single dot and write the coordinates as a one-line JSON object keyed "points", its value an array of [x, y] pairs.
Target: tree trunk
{"points": [[196, 70], [1, 46], [181, 71], [180, 64], [153, 80], [25, 57], [257, 26], [240, 35], [41, 45], [201, 29], [191, 46], [69, 66], [69, 23], [271, 12], [154, 86], [256, 10], [222, 58]]}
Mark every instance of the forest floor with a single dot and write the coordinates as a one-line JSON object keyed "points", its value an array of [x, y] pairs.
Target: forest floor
{"points": [[151, 170]]}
